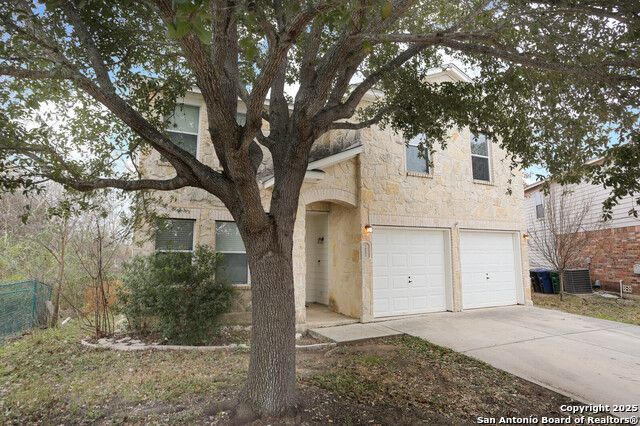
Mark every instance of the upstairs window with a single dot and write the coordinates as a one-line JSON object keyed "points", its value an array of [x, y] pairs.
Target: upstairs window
{"points": [[539, 206], [234, 268], [480, 158], [183, 128], [415, 162], [175, 236]]}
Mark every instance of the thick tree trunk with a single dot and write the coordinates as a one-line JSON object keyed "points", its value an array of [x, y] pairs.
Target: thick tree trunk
{"points": [[270, 389]]}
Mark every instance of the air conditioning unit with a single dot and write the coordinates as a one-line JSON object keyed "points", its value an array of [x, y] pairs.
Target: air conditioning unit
{"points": [[577, 281]]}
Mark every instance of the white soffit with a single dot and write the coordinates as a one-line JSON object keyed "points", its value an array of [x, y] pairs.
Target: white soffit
{"points": [[314, 174]]}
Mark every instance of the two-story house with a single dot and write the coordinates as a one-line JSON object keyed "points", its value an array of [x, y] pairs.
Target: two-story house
{"points": [[611, 249], [380, 232]]}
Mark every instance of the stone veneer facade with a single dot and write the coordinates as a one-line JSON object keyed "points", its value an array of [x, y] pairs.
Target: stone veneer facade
{"points": [[372, 188]]}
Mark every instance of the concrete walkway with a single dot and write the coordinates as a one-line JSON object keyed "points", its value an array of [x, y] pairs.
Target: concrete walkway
{"points": [[354, 332], [592, 360], [320, 316]]}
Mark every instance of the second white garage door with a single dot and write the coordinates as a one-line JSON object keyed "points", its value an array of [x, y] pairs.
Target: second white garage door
{"points": [[409, 271], [489, 270]]}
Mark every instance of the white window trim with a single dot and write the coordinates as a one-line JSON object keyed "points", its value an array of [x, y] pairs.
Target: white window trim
{"points": [[406, 163], [488, 157], [197, 135], [193, 238], [235, 252]]}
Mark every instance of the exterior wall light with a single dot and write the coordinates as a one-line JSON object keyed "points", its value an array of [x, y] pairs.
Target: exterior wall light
{"points": [[368, 229], [526, 237]]}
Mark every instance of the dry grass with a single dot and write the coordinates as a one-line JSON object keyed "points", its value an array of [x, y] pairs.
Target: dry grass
{"points": [[47, 377], [621, 310], [407, 380]]}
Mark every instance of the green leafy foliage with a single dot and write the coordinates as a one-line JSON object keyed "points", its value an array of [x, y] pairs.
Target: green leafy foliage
{"points": [[385, 9], [556, 85], [175, 293]]}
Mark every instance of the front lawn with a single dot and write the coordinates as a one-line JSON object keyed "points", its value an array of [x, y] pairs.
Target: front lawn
{"points": [[621, 310], [48, 377]]}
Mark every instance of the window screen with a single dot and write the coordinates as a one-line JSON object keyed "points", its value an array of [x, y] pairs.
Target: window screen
{"points": [[183, 128], [185, 141], [186, 118], [234, 267], [480, 158], [175, 234], [416, 163]]}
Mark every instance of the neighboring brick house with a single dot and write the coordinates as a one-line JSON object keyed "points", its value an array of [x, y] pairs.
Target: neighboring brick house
{"points": [[613, 248], [446, 237]]}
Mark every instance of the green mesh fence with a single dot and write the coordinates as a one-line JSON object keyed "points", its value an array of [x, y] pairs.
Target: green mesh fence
{"points": [[22, 307]]}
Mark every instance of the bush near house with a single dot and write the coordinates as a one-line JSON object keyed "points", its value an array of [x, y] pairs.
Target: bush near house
{"points": [[111, 289], [175, 293]]}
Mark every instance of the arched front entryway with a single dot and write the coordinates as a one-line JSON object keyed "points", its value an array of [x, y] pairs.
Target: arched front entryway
{"points": [[333, 271]]}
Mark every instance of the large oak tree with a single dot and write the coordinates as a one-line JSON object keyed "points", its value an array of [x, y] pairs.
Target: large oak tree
{"points": [[85, 83]]}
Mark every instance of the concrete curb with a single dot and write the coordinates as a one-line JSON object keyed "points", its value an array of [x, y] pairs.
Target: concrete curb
{"points": [[144, 347]]}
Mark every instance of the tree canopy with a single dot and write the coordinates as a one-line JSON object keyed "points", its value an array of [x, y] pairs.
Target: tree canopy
{"points": [[86, 87], [556, 79]]}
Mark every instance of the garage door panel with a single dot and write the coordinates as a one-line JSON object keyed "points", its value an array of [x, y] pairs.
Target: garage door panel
{"points": [[421, 304], [436, 262], [396, 239], [381, 282], [419, 286], [398, 259], [488, 269], [383, 305], [414, 253], [418, 259], [400, 304], [400, 282], [380, 260]]}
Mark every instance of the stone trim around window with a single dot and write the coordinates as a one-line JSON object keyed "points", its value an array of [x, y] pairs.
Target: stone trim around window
{"points": [[422, 175], [484, 182]]}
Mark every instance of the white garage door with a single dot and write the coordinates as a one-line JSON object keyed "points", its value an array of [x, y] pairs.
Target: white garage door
{"points": [[488, 269], [408, 271]]}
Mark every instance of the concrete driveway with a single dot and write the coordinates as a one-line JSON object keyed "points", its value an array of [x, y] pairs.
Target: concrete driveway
{"points": [[592, 360]]}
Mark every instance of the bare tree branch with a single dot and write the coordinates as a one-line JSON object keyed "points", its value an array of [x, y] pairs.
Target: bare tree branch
{"points": [[451, 41], [577, 8], [470, 17], [347, 109], [208, 80], [366, 123], [127, 185], [99, 67]]}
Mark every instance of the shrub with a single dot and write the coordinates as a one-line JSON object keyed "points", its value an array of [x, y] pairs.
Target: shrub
{"points": [[176, 294]]}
